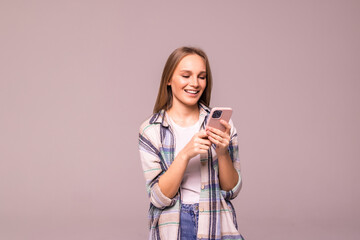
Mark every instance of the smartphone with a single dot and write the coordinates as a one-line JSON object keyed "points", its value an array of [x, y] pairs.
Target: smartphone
{"points": [[216, 114]]}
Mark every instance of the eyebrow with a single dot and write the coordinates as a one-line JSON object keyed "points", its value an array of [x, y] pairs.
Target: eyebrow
{"points": [[184, 70]]}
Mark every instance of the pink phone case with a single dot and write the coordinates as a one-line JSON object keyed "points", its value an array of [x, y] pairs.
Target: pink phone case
{"points": [[215, 122]]}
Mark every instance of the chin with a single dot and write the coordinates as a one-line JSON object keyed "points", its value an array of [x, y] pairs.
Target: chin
{"points": [[191, 103]]}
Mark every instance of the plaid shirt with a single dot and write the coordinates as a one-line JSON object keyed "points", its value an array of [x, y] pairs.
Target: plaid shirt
{"points": [[217, 219]]}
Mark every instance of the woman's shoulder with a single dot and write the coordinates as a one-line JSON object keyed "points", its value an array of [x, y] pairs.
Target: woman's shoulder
{"points": [[151, 124]]}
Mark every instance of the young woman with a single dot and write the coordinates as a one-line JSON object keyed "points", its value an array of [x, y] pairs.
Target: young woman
{"points": [[191, 172]]}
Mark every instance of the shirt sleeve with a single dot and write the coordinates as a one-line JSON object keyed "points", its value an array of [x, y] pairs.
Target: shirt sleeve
{"points": [[234, 155], [153, 168]]}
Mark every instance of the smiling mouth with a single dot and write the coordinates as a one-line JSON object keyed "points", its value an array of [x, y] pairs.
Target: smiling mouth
{"points": [[192, 91]]}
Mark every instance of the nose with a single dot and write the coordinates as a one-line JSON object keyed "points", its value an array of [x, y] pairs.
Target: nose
{"points": [[194, 82]]}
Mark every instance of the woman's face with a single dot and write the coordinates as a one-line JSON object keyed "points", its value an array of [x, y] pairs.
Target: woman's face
{"points": [[188, 81]]}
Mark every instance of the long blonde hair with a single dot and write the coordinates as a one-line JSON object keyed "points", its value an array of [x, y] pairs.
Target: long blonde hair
{"points": [[164, 97]]}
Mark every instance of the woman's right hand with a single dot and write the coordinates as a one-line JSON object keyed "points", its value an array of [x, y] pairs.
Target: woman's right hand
{"points": [[198, 144], [170, 181]]}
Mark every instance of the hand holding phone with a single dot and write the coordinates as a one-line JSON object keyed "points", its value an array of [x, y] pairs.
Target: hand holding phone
{"points": [[216, 114]]}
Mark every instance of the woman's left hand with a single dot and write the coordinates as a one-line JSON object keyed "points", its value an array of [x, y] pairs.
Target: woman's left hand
{"points": [[219, 138]]}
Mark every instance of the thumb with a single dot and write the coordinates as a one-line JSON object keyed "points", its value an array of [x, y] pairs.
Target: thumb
{"points": [[202, 133]]}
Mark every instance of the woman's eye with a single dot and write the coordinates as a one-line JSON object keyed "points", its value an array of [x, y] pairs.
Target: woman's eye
{"points": [[202, 77], [186, 76]]}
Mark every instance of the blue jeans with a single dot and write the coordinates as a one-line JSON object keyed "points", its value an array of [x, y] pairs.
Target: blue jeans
{"points": [[189, 217]]}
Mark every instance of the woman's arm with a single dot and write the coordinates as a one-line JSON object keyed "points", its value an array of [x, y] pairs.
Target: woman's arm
{"points": [[228, 175], [170, 181]]}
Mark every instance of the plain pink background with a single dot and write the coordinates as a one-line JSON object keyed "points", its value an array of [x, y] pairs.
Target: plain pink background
{"points": [[77, 78]]}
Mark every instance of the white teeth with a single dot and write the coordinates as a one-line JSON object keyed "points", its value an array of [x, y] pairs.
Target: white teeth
{"points": [[191, 91]]}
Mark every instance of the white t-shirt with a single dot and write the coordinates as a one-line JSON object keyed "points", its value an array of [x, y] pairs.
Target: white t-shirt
{"points": [[191, 183]]}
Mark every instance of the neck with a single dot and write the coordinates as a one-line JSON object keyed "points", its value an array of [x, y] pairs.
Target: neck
{"points": [[184, 115]]}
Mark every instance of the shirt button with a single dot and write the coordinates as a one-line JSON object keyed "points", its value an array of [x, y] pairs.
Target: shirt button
{"points": [[202, 186]]}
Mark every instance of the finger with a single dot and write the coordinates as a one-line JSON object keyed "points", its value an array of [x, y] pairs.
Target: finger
{"points": [[202, 150], [202, 134], [226, 125], [224, 142], [221, 134], [216, 131], [204, 141], [214, 135], [215, 141], [204, 147]]}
